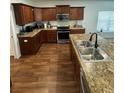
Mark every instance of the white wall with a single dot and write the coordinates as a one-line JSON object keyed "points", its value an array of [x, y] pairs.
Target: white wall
{"points": [[91, 13], [91, 9]]}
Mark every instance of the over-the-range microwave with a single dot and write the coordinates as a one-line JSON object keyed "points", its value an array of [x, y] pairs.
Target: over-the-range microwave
{"points": [[62, 17]]}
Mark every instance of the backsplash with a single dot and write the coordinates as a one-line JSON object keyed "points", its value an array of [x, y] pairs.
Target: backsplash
{"points": [[71, 23], [56, 23]]}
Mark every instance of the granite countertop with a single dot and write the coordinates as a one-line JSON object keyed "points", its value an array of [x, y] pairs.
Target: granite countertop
{"points": [[35, 31], [77, 28], [99, 75]]}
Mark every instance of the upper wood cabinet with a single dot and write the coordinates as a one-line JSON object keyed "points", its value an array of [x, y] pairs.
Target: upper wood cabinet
{"points": [[48, 14], [76, 13], [62, 9], [37, 14], [23, 14], [26, 14]]}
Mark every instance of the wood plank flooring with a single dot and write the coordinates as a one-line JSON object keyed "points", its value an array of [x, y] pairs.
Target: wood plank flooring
{"points": [[49, 71]]}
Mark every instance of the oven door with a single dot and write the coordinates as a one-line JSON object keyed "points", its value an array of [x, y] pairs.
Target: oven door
{"points": [[62, 36]]}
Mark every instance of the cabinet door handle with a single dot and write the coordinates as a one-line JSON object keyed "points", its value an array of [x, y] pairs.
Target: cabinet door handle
{"points": [[25, 41]]}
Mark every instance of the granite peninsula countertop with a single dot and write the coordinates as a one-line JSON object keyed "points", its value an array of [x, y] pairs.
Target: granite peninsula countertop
{"points": [[99, 75]]}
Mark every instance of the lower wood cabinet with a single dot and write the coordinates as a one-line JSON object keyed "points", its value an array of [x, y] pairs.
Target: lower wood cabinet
{"points": [[76, 67], [30, 45], [48, 36], [77, 31], [43, 36], [51, 36]]}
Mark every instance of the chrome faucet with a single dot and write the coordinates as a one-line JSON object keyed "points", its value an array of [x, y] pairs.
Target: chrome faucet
{"points": [[96, 45]]}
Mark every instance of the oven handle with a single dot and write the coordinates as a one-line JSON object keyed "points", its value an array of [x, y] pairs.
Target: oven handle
{"points": [[63, 31]]}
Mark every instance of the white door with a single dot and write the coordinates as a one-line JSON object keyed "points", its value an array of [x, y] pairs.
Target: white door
{"points": [[11, 43], [14, 43]]}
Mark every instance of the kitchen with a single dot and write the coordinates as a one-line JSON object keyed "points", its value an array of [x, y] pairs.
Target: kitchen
{"points": [[53, 56]]}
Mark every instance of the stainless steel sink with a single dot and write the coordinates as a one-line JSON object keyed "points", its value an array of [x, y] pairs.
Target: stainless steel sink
{"points": [[90, 54], [81, 43]]}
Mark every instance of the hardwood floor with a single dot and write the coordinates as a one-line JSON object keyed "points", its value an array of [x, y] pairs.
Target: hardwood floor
{"points": [[49, 71]]}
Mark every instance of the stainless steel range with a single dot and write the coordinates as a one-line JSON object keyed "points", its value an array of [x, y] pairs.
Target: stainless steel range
{"points": [[63, 34]]}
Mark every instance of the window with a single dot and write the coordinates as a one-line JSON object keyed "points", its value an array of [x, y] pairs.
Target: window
{"points": [[105, 21]]}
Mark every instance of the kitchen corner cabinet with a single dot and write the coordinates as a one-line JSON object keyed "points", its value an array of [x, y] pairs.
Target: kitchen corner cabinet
{"points": [[37, 14], [76, 13], [30, 45], [77, 31], [51, 36], [49, 14], [62, 9], [23, 14]]}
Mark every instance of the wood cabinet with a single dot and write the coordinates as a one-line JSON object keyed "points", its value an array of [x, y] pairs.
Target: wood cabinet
{"points": [[48, 14], [77, 31], [43, 36], [37, 14], [51, 36], [76, 67], [30, 45], [62, 9], [76, 13], [23, 14]]}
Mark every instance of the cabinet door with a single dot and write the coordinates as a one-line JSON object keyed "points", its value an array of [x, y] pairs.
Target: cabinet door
{"points": [[26, 45], [43, 36], [76, 67], [27, 13], [37, 41], [77, 31], [30, 45], [62, 9], [48, 14], [76, 13], [37, 14], [52, 36], [23, 14]]}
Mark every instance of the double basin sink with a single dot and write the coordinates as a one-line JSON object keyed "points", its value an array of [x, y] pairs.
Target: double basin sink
{"points": [[90, 54]]}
